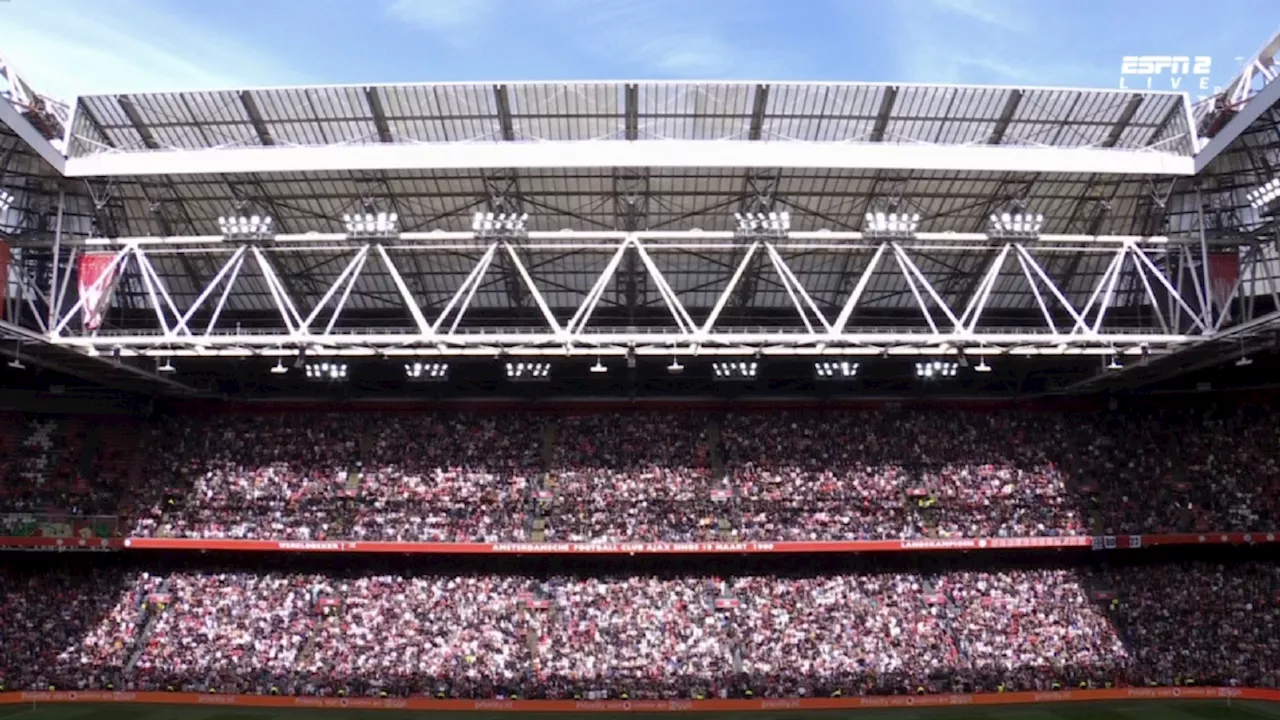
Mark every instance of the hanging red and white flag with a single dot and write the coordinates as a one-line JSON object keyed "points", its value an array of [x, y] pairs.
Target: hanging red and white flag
{"points": [[1224, 272], [4, 275], [97, 279]]}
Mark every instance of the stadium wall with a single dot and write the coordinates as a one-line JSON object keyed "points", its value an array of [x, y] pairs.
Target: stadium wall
{"points": [[647, 706]]}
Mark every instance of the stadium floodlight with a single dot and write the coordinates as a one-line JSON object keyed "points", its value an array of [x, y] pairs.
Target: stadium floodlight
{"points": [[599, 367], [6, 199], [528, 371], [327, 371], [246, 227], [771, 223], [166, 366], [488, 223], [379, 225], [279, 368], [837, 370], [1265, 197], [1018, 225], [426, 371], [982, 366], [937, 369], [735, 370], [891, 226]]}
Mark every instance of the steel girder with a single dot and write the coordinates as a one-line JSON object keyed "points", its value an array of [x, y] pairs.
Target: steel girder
{"points": [[1143, 269]]}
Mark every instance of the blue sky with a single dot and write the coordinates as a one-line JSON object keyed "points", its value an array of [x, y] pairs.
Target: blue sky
{"points": [[69, 47]]}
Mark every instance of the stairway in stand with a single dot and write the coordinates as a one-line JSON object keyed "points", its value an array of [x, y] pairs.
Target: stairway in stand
{"points": [[543, 487]]}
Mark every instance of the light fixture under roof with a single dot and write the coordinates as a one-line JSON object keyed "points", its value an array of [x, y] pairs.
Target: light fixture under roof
{"points": [[835, 369], [499, 223], [6, 199], [279, 368], [418, 371], [767, 223], [246, 227], [528, 371], [1016, 225], [599, 367], [327, 371], [735, 370], [369, 224], [937, 369], [1265, 196], [889, 226]]}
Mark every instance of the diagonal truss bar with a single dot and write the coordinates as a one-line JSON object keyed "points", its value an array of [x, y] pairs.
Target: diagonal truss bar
{"points": [[583, 314], [150, 284], [226, 292], [346, 291], [846, 312], [465, 291], [419, 319], [1142, 258], [1117, 269], [723, 300], [683, 320], [1035, 292], [794, 288], [1051, 285], [350, 272], [538, 299], [232, 265], [928, 286], [1151, 295], [988, 283], [288, 312]]}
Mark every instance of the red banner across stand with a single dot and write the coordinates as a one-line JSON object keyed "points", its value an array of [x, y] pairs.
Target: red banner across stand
{"points": [[1078, 542], [771, 705]]}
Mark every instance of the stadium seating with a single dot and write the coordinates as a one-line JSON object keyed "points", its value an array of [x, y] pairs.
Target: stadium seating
{"points": [[671, 636], [840, 475]]}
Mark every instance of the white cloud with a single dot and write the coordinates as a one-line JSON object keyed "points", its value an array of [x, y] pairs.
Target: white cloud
{"points": [[127, 47], [1005, 15], [456, 21]]}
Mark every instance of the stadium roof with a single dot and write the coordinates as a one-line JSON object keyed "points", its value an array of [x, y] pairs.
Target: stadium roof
{"points": [[569, 124], [619, 158]]}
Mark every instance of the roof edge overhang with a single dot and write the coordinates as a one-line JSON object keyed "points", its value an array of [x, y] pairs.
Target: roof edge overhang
{"points": [[1254, 109], [10, 116], [634, 153]]}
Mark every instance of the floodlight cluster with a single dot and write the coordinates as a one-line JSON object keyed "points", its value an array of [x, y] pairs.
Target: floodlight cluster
{"points": [[1265, 195], [735, 369], [499, 222], [1019, 224], [246, 226], [835, 370], [528, 370], [370, 224], [771, 222], [6, 200], [937, 369], [327, 371], [426, 371], [899, 225]]}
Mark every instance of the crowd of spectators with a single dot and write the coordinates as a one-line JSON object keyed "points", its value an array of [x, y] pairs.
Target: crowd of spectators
{"points": [[677, 476], [643, 476], [489, 636], [432, 477], [880, 475]]}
